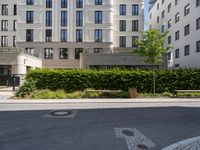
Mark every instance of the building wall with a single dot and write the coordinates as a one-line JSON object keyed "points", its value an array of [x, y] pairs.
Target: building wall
{"points": [[191, 60]]}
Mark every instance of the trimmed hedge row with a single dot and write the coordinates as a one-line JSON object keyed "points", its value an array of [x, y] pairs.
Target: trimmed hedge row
{"points": [[73, 80]]}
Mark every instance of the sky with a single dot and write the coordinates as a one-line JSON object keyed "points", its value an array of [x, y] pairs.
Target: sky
{"points": [[146, 12]]}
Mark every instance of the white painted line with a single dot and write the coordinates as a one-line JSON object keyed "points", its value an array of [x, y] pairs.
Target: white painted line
{"points": [[192, 143]]}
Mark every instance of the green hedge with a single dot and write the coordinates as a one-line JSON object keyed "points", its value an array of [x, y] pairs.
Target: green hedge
{"points": [[73, 80]]}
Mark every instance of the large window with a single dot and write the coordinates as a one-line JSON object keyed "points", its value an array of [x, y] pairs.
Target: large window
{"points": [[4, 41], [98, 35], [169, 39], [48, 3], [4, 9], [63, 18], [163, 14], [29, 16], [177, 17], [135, 9], [4, 25], [122, 25], [187, 9], [29, 2], [198, 23], [177, 35], [63, 35], [135, 25], [79, 3], [177, 53], [98, 17], [122, 41], [169, 7], [98, 2], [187, 50], [198, 46], [197, 3], [169, 23], [14, 41], [29, 35], [48, 35], [30, 50], [63, 53], [79, 18], [15, 10], [64, 3], [77, 52], [79, 35], [187, 30], [14, 25], [134, 38], [48, 53], [48, 18], [122, 10]]}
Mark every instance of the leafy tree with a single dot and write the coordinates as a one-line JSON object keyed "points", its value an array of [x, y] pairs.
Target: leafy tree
{"points": [[152, 47]]}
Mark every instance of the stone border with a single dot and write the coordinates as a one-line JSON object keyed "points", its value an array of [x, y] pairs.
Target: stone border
{"points": [[187, 144]]}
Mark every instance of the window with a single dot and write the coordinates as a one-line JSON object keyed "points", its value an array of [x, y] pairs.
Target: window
{"points": [[135, 25], [169, 56], [4, 41], [169, 7], [29, 35], [163, 14], [79, 18], [14, 41], [48, 35], [198, 23], [48, 18], [135, 9], [163, 1], [98, 35], [150, 16], [176, 65], [29, 17], [29, 2], [187, 50], [4, 9], [79, 35], [98, 50], [4, 25], [79, 3], [30, 50], [122, 25], [177, 53], [64, 3], [197, 3], [169, 39], [169, 23], [15, 10], [177, 17], [198, 46], [14, 25], [177, 35], [134, 38], [63, 53], [98, 2], [48, 53], [122, 41], [187, 9], [122, 10], [187, 30], [163, 28], [158, 19], [176, 2], [158, 6], [98, 17], [48, 3], [63, 18], [63, 35], [77, 52]]}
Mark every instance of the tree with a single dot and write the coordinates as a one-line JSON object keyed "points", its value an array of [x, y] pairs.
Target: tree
{"points": [[152, 47]]}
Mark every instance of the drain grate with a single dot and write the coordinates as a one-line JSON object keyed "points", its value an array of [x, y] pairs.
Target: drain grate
{"points": [[127, 132], [141, 146], [61, 114]]}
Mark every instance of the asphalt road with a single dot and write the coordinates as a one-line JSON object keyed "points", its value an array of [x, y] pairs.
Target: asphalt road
{"points": [[98, 129]]}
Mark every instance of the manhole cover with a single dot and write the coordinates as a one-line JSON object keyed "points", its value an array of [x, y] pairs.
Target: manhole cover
{"points": [[60, 113], [128, 133], [141, 146]]}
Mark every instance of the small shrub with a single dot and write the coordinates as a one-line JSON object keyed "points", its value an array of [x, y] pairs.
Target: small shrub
{"points": [[26, 88]]}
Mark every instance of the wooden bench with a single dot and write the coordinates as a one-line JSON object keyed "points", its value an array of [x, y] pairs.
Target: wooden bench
{"points": [[175, 93], [104, 91]]}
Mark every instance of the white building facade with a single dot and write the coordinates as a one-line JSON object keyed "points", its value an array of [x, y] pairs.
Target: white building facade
{"points": [[59, 30], [182, 19]]}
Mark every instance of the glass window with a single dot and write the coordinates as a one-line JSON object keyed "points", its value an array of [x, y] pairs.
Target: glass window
{"points": [[177, 17], [187, 50], [63, 18], [4, 9], [79, 35], [48, 53], [177, 35], [77, 52], [14, 41], [63, 53], [63, 35], [177, 53], [79, 18], [122, 10], [135, 25], [198, 23], [29, 16], [98, 50], [48, 35], [15, 10], [4, 41], [79, 3], [122, 41], [197, 3], [48, 3], [169, 56], [29, 35], [169, 7], [163, 14], [169, 23], [187, 30], [98, 17], [48, 18], [135, 9], [163, 28], [4, 25], [14, 25], [169, 39], [29, 2], [64, 3], [198, 46], [158, 19], [134, 38], [98, 2], [98, 35], [176, 2], [122, 25], [187, 9], [30, 50]]}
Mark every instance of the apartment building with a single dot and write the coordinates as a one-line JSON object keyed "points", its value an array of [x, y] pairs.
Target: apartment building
{"points": [[182, 19], [59, 30]]}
